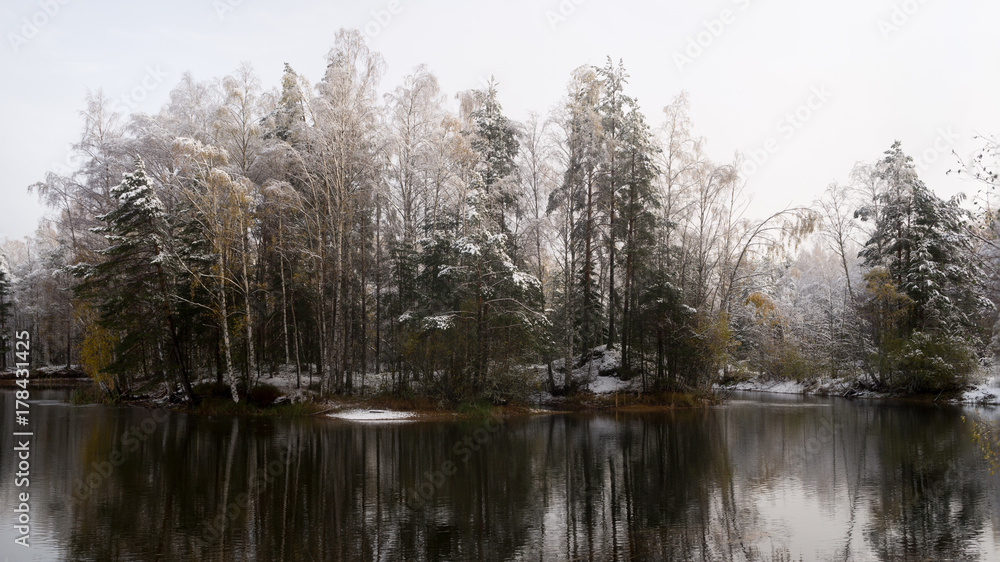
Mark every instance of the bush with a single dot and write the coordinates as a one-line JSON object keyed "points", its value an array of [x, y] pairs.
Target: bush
{"points": [[476, 408], [211, 390], [89, 394], [932, 363], [796, 366], [510, 385], [263, 395]]}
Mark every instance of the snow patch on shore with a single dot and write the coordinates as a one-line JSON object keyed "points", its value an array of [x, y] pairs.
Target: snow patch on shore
{"points": [[597, 375], [777, 387], [821, 386], [986, 392], [372, 415], [609, 385]]}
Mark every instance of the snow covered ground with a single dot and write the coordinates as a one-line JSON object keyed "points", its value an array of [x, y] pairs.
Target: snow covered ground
{"points": [[986, 392], [296, 390], [598, 374], [819, 386], [609, 385]]}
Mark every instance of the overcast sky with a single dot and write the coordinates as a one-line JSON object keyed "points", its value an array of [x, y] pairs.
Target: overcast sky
{"points": [[804, 89]]}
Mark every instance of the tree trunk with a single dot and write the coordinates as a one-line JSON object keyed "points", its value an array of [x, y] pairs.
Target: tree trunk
{"points": [[611, 270], [585, 340], [226, 347], [284, 309], [174, 339], [248, 313]]}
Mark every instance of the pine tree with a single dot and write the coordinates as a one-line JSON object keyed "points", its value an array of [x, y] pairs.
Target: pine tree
{"points": [[488, 310], [132, 286], [290, 113], [473, 292]]}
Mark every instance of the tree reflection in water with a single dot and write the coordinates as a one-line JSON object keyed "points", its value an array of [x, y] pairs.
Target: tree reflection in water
{"points": [[813, 479]]}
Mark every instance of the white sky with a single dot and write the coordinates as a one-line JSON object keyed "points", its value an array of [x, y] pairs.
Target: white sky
{"points": [[931, 77]]}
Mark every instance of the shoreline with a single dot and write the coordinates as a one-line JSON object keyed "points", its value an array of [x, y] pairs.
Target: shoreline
{"points": [[604, 393], [984, 393], [299, 402]]}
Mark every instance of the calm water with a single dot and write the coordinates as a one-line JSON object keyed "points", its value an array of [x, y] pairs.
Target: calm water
{"points": [[759, 479]]}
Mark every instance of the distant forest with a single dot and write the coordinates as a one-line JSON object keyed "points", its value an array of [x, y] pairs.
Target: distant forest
{"points": [[459, 254]]}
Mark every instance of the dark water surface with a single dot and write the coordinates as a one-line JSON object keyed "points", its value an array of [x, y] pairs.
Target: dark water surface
{"points": [[760, 478]]}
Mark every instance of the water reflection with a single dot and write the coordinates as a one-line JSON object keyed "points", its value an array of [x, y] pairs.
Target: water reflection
{"points": [[784, 479]]}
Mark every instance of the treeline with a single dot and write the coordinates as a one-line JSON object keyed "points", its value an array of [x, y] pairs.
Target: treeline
{"points": [[449, 250]]}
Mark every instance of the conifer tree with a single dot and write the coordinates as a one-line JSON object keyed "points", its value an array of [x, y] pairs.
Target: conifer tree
{"points": [[132, 286]]}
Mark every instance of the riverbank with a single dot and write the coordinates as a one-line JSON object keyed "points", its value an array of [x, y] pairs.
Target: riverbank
{"points": [[49, 375], [593, 386], [985, 391]]}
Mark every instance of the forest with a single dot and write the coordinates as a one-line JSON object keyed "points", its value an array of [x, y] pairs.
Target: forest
{"points": [[427, 241]]}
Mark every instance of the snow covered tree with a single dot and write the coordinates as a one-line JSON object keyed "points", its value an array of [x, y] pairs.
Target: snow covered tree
{"points": [[611, 107], [474, 292], [494, 139], [132, 286], [82, 194], [6, 307], [290, 112], [538, 178], [480, 317], [637, 203], [576, 198], [217, 214], [922, 242]]}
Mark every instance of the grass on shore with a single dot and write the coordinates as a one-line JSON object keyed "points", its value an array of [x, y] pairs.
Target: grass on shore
{"points": [[89, 394]]}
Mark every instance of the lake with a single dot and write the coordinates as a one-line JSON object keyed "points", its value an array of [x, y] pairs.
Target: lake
{"points": [[758, 478]]}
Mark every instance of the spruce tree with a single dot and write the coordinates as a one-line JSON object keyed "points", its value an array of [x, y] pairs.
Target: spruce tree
{"points": [[636, 229], [494, 139], [131, 286], [921, 243], [473, 294], [922, 240]]}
